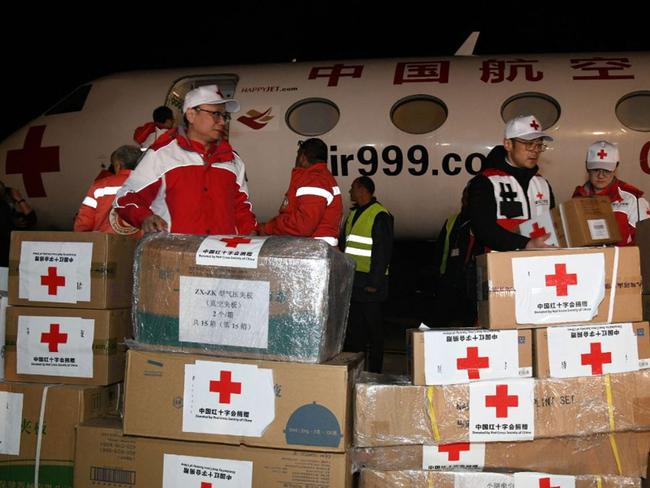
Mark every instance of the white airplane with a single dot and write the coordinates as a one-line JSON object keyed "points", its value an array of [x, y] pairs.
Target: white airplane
{"points": [[420, 127]]}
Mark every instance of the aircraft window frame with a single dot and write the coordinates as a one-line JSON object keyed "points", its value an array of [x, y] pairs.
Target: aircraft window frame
{"points": [[306, 101], [72, 102], [227, 83], [627, 98], [534, 95], [419, 98]]}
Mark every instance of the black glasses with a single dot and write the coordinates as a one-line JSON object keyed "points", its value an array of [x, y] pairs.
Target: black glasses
{"points": [[602, 172], [216, 115], [532, 146]]}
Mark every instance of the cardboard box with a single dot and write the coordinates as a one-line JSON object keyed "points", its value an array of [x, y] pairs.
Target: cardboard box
{"points": [[542, 368], [472, 339], [426, 479], [104, 357], [290, 302], [71, 269], [313, 402], [65, 407], [397, 414], [566, 455], [106, 457], [497, 294]]}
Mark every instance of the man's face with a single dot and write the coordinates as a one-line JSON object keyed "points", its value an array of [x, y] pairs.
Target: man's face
{"points": [[524, 154], [354, 191], [600, 178], [207, 123]]}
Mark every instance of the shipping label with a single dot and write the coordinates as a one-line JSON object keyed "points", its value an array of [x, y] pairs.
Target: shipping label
{"points": [[11, 415], [459, 456], [543, 480], [201, 472], [539, 226], [483, 480], [231, 251]]}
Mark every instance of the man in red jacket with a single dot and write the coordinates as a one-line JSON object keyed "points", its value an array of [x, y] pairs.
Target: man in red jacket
{"points": [[627, 200], [190, 181], [163, 120], [312, 206], [96, 211]]}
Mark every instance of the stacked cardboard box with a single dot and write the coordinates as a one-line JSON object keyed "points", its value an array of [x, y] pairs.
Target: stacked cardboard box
{"points": [[65, 352], [643, 241]]}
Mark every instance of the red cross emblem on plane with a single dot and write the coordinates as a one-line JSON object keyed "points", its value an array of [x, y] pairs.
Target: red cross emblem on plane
{"points": [[561, 280], [235, 241], [52, 280], [502, 401], [225, 386], [453, 450], [53, 338]]}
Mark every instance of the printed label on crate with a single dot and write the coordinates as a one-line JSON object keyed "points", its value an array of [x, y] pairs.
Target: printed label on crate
{"points": [[539, 226], [483, 480], [55, 346], [592, 350], [55, 271], [224, 312], [459, 456], [460, 356], [228, 398], [202, 472], [598, 229], [11, 416], [501, 410], [543, 480], [231, 251], [558, 288]]}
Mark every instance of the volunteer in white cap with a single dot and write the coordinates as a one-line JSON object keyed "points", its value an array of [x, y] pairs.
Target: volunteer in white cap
{"points": [[191, 181], [627, 200], [509, 190]]}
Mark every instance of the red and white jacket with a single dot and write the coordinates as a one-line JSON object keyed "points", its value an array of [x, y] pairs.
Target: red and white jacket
{"points": [[196, 189], [96, 212], [147, 134], [628, 204], [312, 206]]}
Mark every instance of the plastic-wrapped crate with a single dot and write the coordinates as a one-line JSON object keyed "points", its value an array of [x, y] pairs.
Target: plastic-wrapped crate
{"points": [[277, 298]]}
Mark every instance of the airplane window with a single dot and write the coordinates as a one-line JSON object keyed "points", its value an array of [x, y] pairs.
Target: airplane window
{"points": [[72, 103], [418, 114], [312, 116], [545, 108], [633, 110]]}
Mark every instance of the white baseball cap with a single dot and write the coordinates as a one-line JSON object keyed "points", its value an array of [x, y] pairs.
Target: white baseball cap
{"points": [[210, 95], [525, 127], [602, 155]]}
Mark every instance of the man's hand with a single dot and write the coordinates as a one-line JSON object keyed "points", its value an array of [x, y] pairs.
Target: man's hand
{"points": [[153, 223], [539, 242]]}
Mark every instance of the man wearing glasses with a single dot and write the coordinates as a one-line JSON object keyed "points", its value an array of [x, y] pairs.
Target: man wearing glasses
{"points": [[510, 191], [627, 200], [190, 181]]}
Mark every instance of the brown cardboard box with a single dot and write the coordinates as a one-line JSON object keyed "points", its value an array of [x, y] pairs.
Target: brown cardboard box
{"points": [[566, 455], [397, 414], [109, 351], [542, 369], [65, 407], [313, 402], [496, 305], [426, 479], [524, 342], [106, 457], [588, 221], [643, 241], [111, 272]]}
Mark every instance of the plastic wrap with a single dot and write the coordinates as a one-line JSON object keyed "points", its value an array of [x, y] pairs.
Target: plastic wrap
{"points": [[394, 414], [427, 479], [303, 319], [586, 455]]}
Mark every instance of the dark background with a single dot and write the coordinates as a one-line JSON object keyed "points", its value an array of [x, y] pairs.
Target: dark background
{"points": [[50, 50]]}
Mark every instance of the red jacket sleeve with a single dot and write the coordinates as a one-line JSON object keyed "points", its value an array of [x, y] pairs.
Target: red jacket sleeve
{"points": [[302, 220], [244, 216], [134, 206], [141, 133], [85, 219]]}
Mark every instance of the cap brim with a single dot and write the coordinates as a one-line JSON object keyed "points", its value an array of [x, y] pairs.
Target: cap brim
{"points": [[535, 135], [602, 165]]}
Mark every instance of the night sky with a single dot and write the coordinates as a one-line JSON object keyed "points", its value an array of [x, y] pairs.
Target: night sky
{"points": [[51, 53]]}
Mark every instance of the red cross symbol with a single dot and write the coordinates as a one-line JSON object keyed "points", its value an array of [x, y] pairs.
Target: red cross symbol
{"points": [[539, 195], [473, 363], [534, 124], [537, 231], [234, 241], [225, 387], [561, 280], [453, 450], [601, 154], [596, 358], [32, 160], [53, 338], [501, 400], [546, 483], [52, 280], [205, 484]]}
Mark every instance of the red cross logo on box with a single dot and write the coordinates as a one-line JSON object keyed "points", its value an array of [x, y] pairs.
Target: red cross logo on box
{"points": [[205, 484], [502, 401], [235, 241], [561, 280], [473, 363], [225, 386], [453, 450], [53, 338], [596, 358], [537, 231], [546, 483], [52, 280]]}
